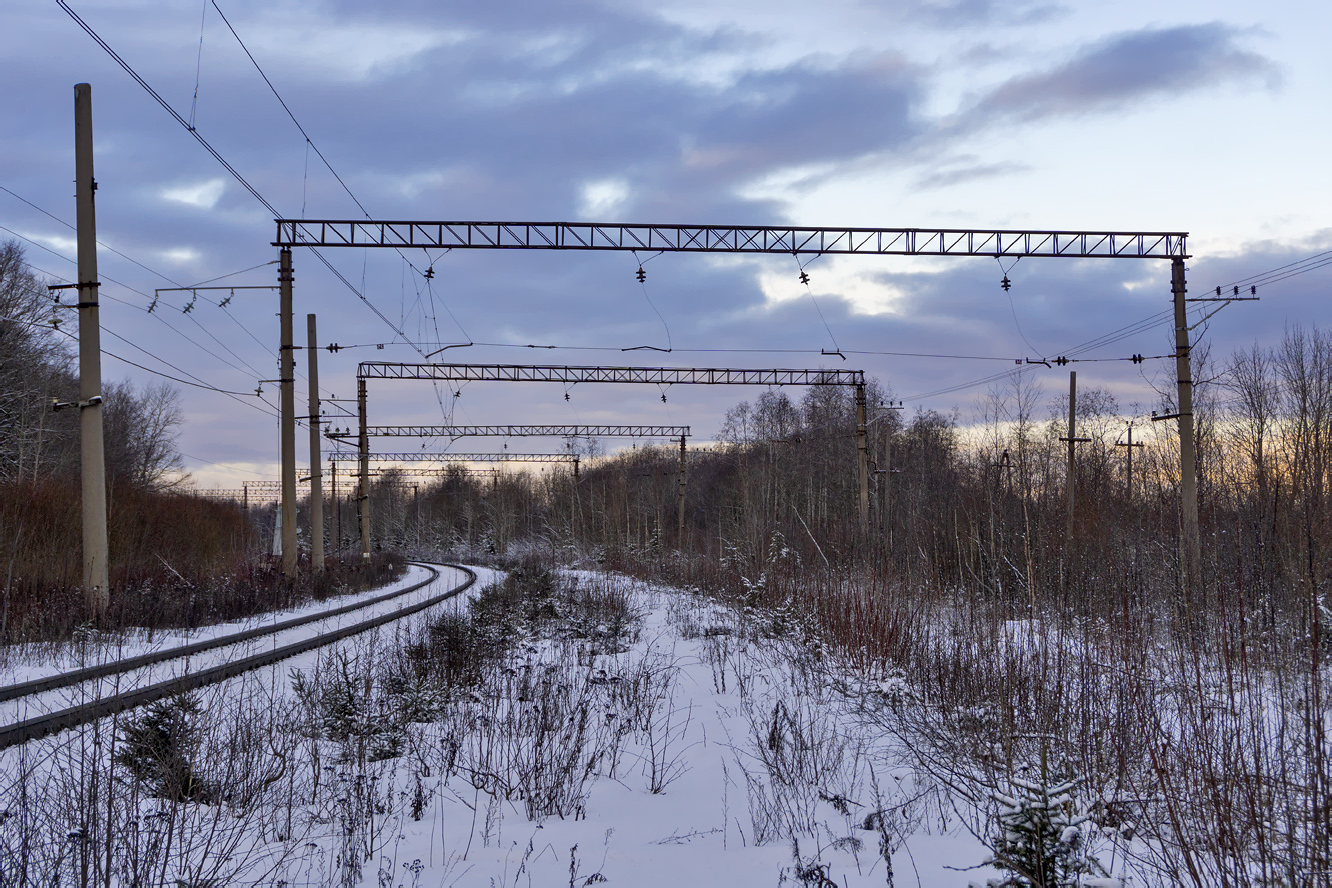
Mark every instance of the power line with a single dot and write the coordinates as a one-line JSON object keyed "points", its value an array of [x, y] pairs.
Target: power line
{"points": [[128, 304], [200, 384], [345, 187], [150, 271], [768, 351], [217, 156], [99, 243]]}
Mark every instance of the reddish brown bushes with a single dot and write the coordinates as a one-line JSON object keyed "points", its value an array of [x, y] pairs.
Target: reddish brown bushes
{"points": [[176, 561]]}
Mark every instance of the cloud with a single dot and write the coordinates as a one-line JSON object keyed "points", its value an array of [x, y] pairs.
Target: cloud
{"points": [[958, 14], [1130, 66], [203, 195], [973, 171], [602, 199]]}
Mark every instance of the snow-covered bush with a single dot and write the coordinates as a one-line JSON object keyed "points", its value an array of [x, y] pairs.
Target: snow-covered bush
{"points": [[1041, 837]]}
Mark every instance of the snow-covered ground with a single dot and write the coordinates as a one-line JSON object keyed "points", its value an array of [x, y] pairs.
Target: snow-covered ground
{"points": [[695, 744], [27, 662]]}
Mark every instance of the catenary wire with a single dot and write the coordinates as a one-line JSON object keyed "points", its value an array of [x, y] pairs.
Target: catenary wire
{"points": [[213, 151]]}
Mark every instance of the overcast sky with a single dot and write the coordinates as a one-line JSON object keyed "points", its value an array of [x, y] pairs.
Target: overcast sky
{"points": [[1205, 117]]}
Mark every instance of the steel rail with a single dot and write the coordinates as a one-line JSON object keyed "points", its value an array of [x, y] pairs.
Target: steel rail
{"points": [[40, 726], [102, 670]]}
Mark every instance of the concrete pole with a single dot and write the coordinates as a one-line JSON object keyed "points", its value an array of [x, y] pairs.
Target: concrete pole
{"points": [[887, 506], [1188, 458], [316, 461], [1129, 485], [363, 493], [1072, 451], [337, 507], [683, 481], [96, 552], [862, 458], [287, 382]]}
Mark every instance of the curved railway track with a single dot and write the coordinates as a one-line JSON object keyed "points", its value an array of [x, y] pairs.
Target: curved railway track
{"points": [[50, 723]]}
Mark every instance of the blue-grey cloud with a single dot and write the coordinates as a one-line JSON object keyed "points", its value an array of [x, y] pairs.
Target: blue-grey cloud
{"points": [[513, 119], [964, 14], [969, 171], [1134, 65]]}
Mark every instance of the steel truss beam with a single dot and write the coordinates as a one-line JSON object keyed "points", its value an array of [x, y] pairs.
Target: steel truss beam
{"points": [[411, 471], [461, 457], [732, 239], [651, 375], [519, 431], [442, 472]]}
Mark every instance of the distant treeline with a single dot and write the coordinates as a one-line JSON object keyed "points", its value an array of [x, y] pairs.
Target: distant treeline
{"points": [[979, 506]]}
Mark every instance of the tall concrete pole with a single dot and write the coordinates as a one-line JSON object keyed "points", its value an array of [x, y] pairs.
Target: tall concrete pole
{"points": [[316, 460], [683, 480], [363, 492], [287, 382], [1188, 458], [1072, 453], [96, 553], [1128, 484], [337, 508], [862, 457], [1128, 487], [886, 507]]}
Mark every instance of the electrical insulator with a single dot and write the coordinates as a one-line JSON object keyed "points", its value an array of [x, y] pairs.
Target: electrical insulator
{"points": [[642, 275], [663, 397], [1137, 359], [566, 396], [430, 272], [1237, 290], [1061, 360], [804, 278], [1218, 291], [1253, 291], [1006, 284]]}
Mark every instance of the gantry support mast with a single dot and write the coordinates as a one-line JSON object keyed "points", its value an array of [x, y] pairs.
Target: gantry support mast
{"points": [[793, 240]]}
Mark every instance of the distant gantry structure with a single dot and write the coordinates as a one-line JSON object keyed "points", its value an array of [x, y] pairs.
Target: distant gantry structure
{"points": [[739, 239]]}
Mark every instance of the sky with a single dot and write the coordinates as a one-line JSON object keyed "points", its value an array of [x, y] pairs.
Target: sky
{"points": [[1209, 118]]}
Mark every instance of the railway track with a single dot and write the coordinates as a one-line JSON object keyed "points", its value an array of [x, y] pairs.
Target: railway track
{"points": [[39, 726]]}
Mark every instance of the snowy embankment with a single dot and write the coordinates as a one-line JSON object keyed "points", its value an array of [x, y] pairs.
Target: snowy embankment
{"points": [[24, 662], [572, 729], [644, 737]]}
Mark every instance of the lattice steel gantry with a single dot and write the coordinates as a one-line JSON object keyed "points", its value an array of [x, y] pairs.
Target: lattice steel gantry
{"points": [[781, 239], [518, 431], [800, 240], [632, 375]]}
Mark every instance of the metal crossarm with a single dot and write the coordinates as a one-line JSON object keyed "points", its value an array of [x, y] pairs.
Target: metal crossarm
{"points": [[519, 431], [731, 239], [459, 457], [651, 375]]}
